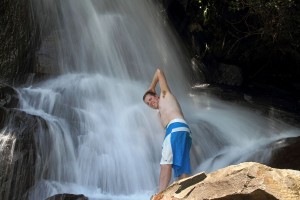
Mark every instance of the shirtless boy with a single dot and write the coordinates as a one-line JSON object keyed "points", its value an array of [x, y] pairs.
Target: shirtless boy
{"points": [[177, 141]]}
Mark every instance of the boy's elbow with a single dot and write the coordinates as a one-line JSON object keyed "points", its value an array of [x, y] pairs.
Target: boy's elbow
{"points": [[159, 71], [160, 74]]}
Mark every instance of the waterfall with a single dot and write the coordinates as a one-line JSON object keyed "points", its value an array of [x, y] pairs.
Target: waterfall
{"points": [[100, 139]]}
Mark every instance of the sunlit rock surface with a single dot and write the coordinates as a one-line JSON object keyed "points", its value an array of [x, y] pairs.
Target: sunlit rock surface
{"points": [[248, 180]]}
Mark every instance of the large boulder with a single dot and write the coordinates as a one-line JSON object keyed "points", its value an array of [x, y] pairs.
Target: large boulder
{"points": [[283, 153], [246, 181], [286, 154], [17, 152], [18, 40]]}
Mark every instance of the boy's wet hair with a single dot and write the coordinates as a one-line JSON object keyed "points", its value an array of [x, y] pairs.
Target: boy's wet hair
{"points": [[148, 92]]}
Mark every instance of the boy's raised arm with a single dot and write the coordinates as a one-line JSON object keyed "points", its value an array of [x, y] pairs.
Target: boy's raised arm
{"points": [[159, 77]]}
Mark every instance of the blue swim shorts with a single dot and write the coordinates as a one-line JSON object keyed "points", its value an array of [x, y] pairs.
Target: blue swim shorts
{"points": [[176, 147]]}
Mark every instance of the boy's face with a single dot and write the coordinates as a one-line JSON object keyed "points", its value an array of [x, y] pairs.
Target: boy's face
{"points": [[152, 101]]}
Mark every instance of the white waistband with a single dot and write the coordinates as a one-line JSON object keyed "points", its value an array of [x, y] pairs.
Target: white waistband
{"points": [[180, 129]]}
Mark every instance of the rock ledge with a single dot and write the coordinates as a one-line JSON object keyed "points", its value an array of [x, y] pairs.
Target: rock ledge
{"points": [[249, 181]]}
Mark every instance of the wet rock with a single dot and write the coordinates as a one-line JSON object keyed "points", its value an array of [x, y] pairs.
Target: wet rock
{"points": [[249, 181], [17, 152], [8, 96], [286, 154], [176, 11], [18, 39], [48, 55], [68, 197], [228, 75], [199, 71]]}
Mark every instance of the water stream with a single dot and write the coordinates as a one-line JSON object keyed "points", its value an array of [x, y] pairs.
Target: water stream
{"points": [[101, 140]]}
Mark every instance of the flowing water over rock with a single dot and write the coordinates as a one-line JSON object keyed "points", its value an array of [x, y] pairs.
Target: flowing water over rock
{"points": [[100, 139]]}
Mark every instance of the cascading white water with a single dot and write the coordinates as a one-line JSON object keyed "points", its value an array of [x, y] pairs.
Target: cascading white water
{"points": [[108, 147], [101, 140]]}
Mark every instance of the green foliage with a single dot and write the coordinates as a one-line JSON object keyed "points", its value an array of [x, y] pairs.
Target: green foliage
{"points": [[260, 36], [273, 17], [257, 24]]}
